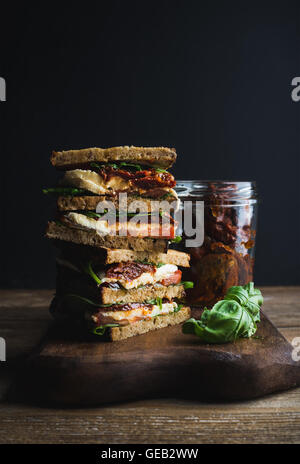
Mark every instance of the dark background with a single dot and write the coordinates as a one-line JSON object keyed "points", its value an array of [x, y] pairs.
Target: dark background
{"points": [[211, 79]]}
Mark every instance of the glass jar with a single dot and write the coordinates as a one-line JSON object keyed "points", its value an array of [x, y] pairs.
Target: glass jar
{"points": [[226, 257]]}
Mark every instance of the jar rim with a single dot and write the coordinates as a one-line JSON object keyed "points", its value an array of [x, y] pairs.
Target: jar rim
{"points": [[235, 191], [216, 181]]}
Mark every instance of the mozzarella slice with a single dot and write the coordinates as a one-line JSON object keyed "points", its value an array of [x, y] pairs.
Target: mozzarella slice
{"points": [[127, 228], [101, 227], [166, 308], [146, 278], [94, 182]]}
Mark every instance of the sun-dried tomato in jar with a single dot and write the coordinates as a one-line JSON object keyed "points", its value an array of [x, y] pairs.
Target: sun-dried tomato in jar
{"points": [[226, 257]]}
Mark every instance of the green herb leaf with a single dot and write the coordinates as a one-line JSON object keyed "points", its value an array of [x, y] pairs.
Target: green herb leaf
{"points": [[89, 270], [65, 191], [93, 214], [179, 307], [177, 239], [188, 284], [248, 296], [229, 319], [100, 329], [155, 301]]}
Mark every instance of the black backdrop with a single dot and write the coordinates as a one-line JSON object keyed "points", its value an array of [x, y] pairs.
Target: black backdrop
{"points": [[211, 79]]}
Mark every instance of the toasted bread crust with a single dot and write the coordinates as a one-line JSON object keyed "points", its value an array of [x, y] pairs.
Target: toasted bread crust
{"points": [[90, 237], [141, 294], [87, 202], [179, 258], [152, 156], [141, 327], [111, 255]]}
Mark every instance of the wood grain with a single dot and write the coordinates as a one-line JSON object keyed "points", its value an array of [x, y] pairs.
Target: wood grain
{"points": [[273, 419]]}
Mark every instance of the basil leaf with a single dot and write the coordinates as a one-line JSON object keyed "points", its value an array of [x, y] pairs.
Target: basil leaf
{"points": [[92, 214], [136, 167], [178, 308], [229, 319], [177, 239], [89, 270], [248, 296], [127, 166], [188, 284], [224, 323], [103, 165], [101, 329], [155, 301], [72, 191]]}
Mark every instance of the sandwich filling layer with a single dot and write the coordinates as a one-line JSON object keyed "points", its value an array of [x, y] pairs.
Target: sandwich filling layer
{"points": [[132, 275], [108, 180], [133, 312], [142, 227]]}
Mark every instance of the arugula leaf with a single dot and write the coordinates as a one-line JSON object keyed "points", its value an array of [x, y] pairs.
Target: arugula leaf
{"points": [[155, 301], [177, 239], [89, 270], [127, 166], [187, 284], [101, 329], [66, 191], [136, 167], [103, 165], [92, 214], [229, 319], [179, 307]]}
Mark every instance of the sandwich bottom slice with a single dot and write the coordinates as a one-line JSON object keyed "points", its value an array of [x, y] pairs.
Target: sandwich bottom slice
{"points": [[141, 327], [119, 321]]}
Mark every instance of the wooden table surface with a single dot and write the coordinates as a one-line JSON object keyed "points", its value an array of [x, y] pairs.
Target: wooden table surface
{"points": [[275, 419]]}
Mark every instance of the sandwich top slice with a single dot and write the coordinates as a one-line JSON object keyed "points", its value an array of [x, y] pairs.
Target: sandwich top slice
{"points": [[149, 156], [98, 171]]}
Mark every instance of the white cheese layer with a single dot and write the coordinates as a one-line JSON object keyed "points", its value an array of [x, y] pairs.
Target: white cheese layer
{"points": [[130, 228], [94, 182], [146, 278], [167, 308], [85, 222]]}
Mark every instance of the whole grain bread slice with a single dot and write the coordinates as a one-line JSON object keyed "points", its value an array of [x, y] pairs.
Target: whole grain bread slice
{"points": [[90, 202], [92, 238], [152, 156], [138, 295], [105, 256], [141, 327]]}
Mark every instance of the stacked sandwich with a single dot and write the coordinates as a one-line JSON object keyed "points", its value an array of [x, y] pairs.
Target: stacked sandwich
{"points": [[114, 224]]}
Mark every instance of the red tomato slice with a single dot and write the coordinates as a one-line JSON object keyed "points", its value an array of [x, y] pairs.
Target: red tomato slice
{"points": [[173, 279]]}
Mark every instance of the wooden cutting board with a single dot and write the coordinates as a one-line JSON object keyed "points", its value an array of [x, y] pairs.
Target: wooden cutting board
{"points": [[67, 369]]}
